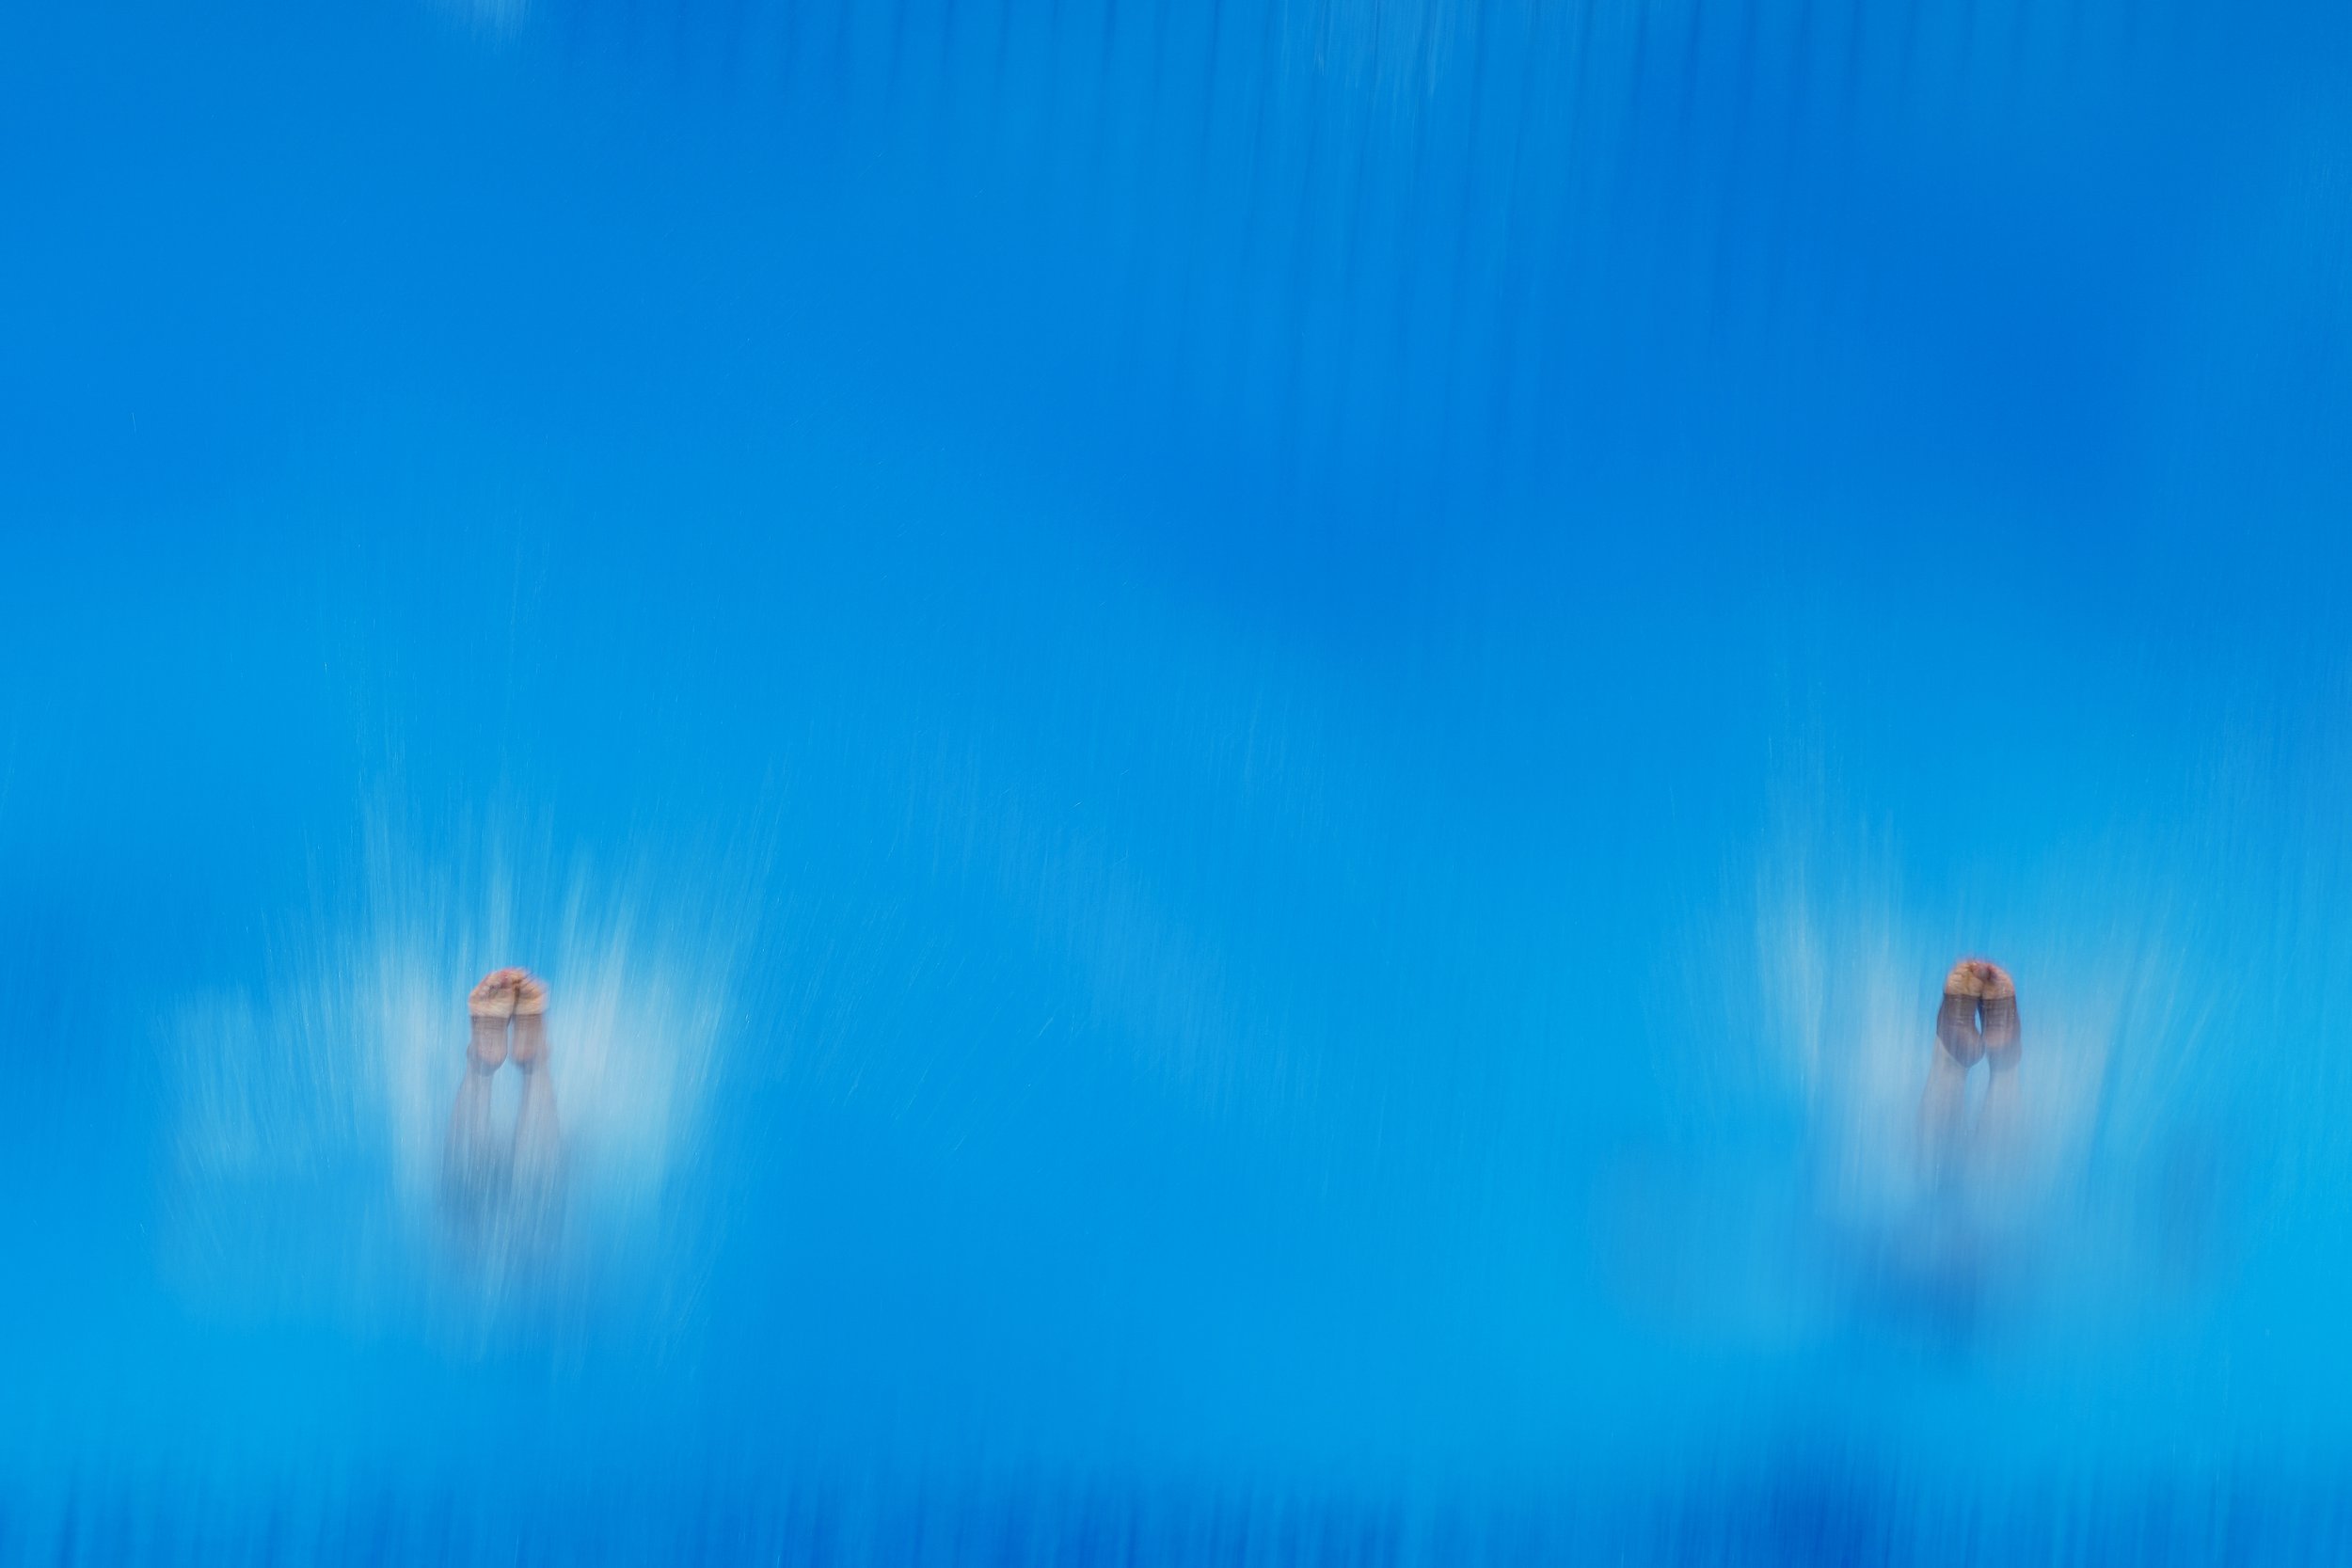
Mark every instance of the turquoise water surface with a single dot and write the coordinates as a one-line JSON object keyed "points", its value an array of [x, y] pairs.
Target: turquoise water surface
{"points": [[1243, 740]]}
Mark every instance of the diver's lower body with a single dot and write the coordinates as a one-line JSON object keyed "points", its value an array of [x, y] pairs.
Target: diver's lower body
{"points": [[512, 1187], [1978, 1021]]}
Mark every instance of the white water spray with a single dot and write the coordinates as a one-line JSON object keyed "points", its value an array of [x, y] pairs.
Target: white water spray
{"points": [[309, 1115]]}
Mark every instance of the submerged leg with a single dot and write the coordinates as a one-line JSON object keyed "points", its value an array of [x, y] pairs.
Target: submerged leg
{"points": [[1978, 1018], [1957, 1047], [471, 1161], [2004, 1045], [538, 1159]]}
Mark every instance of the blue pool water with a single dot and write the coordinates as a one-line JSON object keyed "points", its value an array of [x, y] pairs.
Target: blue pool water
{"points": [[1244, 740]]}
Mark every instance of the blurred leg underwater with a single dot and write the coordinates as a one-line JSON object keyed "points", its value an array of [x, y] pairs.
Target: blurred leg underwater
{"points": [[1978, 1021], [505, 1193]]}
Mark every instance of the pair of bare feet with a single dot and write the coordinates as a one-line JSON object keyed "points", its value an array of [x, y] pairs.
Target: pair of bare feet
{"points": [[508, 1010], [505, 995], [1977, 1021]]}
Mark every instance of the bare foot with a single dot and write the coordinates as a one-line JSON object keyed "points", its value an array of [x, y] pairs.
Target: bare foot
{"points": [[1956, 1020], [495, 991], [489, 1006], [2003, 1039]]}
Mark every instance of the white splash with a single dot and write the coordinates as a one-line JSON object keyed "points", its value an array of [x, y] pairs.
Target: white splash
{"points": [[1849, 973], [310, 1114]]}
